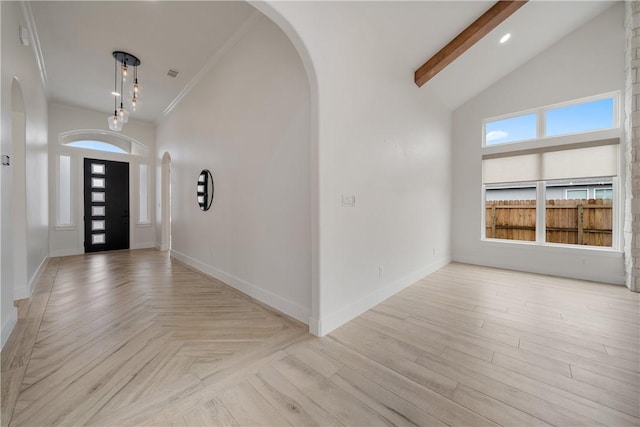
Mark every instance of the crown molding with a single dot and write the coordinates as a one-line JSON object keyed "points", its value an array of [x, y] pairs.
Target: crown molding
{"points": [[228, 44], [35, 42]]}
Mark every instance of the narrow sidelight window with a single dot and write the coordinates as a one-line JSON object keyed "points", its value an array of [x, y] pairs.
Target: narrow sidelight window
{"points": [[64, 190]]}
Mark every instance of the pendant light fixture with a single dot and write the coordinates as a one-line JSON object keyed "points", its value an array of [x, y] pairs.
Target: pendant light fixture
{"points": [[114, 123], [121, 114], [136, 89]]}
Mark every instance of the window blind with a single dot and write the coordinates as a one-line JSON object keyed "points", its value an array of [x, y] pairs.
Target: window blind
{"points": [[589, 162]]}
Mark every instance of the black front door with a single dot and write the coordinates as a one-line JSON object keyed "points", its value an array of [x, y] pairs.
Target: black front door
{"points": [[106, 205]]}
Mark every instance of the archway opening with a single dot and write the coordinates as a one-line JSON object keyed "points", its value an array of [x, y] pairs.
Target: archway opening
{"points": [[18, 194], [272, 13]]}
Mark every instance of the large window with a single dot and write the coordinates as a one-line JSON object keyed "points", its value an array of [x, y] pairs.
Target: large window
{"points": [[596, 113], [562, 191]]}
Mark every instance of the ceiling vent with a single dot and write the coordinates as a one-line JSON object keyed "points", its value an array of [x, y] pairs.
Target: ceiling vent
{"points": [[172, 73]]}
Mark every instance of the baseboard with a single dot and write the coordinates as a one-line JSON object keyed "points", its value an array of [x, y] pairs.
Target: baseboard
{"points": [[162, 247], [144, 246], [283, 305], [65, 252], [543, 269], [314, 326], [26, 291], [326, 324], [7, 327], [70, 252], [36, 277]]}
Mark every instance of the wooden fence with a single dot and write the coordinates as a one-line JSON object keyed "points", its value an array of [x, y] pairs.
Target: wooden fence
{"points": [[580, 222]]}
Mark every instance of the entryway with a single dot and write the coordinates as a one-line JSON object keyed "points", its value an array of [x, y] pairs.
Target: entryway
{"points": [[106, 205]]}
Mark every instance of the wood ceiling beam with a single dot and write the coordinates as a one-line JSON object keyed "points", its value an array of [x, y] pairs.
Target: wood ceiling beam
{"points": [[467, 38]]}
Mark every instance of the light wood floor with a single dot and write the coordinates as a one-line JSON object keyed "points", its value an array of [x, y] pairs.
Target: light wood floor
{"points": [[134, 338]]}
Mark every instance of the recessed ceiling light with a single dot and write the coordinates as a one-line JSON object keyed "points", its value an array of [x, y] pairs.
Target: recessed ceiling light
{"points": [[115, 94], [505, 38]]}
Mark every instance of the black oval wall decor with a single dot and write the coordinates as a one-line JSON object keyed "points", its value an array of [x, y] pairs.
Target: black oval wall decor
{"points": [[205, 190]]}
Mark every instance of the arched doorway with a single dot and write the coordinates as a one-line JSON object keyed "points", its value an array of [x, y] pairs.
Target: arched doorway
{"points": [[14, 245], [277, 18]]}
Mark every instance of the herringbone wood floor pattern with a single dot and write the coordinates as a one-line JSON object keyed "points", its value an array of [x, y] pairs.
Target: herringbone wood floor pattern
{"points": [[135, 338]]}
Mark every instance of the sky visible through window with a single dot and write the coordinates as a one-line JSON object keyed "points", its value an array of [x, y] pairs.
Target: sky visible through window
{"points": [[513, 129], [97, 145], [588, 116], [580, 118]]}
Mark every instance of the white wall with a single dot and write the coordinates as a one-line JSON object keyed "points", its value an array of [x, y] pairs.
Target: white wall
{"points": [[587, 62], [247, 121], [19, 62], [380, 139], [69, 240]]}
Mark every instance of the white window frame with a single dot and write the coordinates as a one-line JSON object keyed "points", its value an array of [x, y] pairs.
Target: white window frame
{"points": [[125, 150], [139, 220], [567, 141], [72, 196], [509, 185], [541, 218], [541, 125]]}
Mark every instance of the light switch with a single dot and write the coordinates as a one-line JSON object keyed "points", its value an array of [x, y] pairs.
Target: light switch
{"points": [[24, 36]]}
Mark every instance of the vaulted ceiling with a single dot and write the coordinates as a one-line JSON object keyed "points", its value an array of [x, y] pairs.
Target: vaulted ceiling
{"points": [[77, 39]]}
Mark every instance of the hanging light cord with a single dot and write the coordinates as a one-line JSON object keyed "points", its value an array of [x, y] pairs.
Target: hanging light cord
{"points": [[121, 84], [115, 86]]}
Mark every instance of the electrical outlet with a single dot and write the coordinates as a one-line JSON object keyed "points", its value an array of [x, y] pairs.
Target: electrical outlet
{"points": [[6, 160], [348, 201]]}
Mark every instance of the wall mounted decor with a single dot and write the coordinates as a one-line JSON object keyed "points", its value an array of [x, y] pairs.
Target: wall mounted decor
{"points": [[205, 190]]}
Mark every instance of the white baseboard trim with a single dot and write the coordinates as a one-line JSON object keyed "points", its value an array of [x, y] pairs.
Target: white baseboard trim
{"points": [[36, 277], [314, 327], [80, 251], [7, 327], [65, 252], [144, 246], [162, 247], [326, 324], [283, 305], [26, 291], [590, 276]]}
